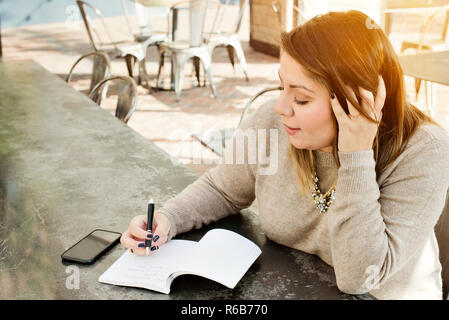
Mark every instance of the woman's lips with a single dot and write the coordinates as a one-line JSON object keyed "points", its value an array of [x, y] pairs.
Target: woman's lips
{"points": [[290, 131]]}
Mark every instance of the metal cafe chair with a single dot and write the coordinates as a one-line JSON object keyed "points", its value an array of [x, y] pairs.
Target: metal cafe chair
{"points": [[131, 51], [229, 39], [101, 68], [300, 13], [216, 140], [148, 12], [426, 44], [191, 46], [127, 96]]}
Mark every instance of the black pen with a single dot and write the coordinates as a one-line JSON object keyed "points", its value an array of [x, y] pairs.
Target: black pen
{"points": [[149, 224]]}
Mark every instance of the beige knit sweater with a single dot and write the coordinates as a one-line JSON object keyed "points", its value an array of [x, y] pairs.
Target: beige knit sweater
{"points": [[378, 234]]}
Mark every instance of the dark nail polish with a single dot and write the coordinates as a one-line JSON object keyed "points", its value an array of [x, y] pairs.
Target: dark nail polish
{"points": [[156, 238], [332, 95], [153, 248], [149, 236], [141, 245], [132, 251]]}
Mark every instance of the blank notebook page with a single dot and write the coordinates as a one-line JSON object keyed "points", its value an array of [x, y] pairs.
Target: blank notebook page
{"points": [[223, 256]]}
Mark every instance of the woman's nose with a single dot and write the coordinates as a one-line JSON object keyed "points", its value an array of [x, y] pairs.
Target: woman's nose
{"points": [[283, 108]]}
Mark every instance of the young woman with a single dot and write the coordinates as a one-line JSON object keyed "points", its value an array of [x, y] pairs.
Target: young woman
{"points": [[362, 175]]}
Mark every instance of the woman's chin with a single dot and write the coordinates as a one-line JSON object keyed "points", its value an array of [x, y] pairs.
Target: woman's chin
{"points": [[295, 143]]}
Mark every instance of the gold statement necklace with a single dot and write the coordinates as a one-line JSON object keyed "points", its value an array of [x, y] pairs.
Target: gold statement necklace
{"points": [[322, 202]]}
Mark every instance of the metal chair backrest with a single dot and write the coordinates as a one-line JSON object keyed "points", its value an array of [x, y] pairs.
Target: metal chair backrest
{"points": [[147, 16], [101, 68], [238, 23], [196, 10], [445, 34], [253, 98], [227, 135], [300, 13], [222, 25], [430, 21], [277, 9], [127, 96], [94, 36]]}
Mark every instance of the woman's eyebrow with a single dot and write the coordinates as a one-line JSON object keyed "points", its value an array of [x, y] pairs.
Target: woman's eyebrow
{"points": [[296, 85]]}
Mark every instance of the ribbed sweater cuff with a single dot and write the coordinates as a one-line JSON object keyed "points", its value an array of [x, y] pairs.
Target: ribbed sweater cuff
{"points": [[356, 169], [172, 217]]}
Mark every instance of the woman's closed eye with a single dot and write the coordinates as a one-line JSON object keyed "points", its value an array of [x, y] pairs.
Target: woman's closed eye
{"points": [[300, 102], [296, 100]]}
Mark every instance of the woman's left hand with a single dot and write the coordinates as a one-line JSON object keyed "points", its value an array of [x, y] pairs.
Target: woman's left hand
{"points": [[357, 133]]}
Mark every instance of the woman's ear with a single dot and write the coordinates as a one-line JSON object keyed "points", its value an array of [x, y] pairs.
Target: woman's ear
{"points": [[342, 101]]}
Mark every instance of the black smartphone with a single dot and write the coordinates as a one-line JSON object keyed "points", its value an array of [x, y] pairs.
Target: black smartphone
{"points": [[92, 246]]}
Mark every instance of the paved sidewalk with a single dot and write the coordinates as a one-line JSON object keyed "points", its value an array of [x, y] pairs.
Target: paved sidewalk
{"points": [[158, 116]]}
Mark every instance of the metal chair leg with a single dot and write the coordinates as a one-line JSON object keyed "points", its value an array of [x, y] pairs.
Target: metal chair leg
{"points": [[230, 50], [144, 74], [417, 87], [429, 97], [196, 64], [205, 59], [178, 70], [130, 61], [241, 56], [159, 83]]}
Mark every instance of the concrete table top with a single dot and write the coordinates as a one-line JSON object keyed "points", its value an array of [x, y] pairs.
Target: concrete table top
{"points": [[68, 167]]}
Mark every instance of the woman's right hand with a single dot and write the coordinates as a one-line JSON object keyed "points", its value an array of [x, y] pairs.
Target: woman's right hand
{"points": [[136, 234]]}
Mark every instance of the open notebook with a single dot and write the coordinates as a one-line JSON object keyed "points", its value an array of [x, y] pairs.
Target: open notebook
{"points": [[221, 255]]}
